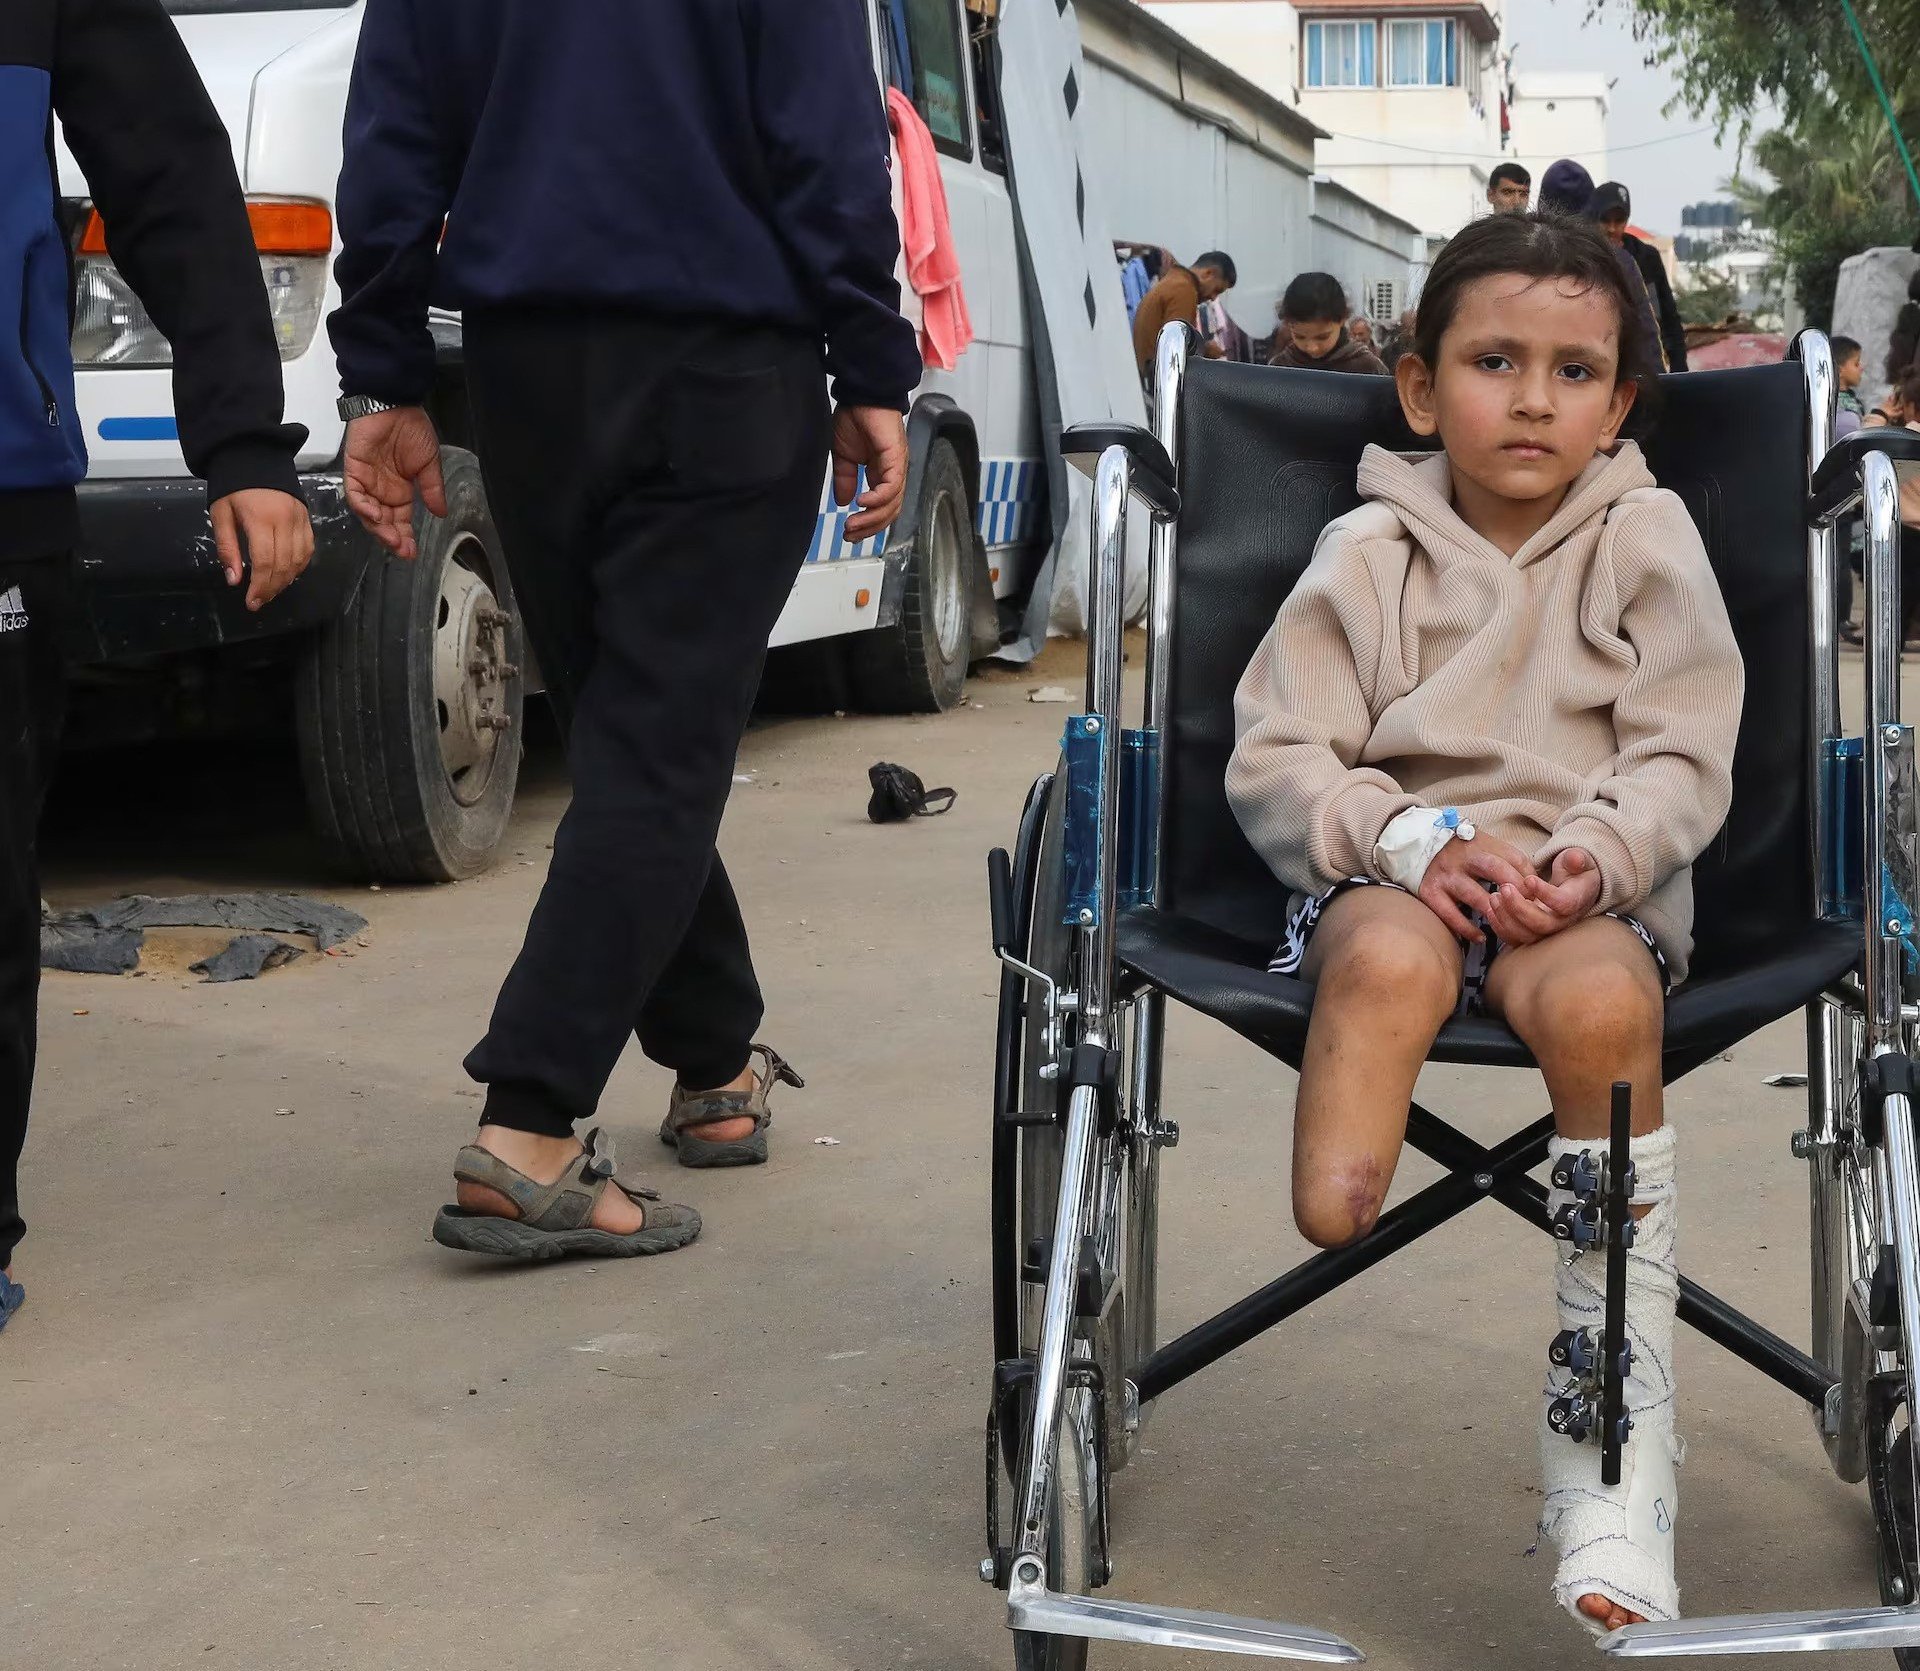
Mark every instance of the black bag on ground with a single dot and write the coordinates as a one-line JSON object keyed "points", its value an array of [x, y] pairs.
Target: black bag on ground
{"points": [[899, 794]]}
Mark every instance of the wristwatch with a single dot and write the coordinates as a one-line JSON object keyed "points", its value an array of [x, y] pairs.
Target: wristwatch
{"points": [[361, 406]]}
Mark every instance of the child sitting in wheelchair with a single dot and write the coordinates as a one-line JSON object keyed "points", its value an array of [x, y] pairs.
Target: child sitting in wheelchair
{"points": [[1483, 743]]}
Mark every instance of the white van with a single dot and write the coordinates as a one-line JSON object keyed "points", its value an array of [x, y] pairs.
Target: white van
{"points": [[405, 703]]}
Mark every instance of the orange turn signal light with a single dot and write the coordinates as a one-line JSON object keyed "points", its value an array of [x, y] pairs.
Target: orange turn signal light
{"points": [[862, 598], [278, 229]]}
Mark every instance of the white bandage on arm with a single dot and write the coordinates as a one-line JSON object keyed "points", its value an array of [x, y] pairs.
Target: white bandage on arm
{"points": [[1413, 840]]}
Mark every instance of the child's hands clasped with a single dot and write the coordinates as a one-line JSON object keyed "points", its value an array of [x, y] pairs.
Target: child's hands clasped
{"points": [[1523, 907], [1539, 907], [1455, 885]]}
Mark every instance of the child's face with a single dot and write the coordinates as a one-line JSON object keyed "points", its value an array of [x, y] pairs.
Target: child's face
{"points": [[1526, 391], [1315, 338], [1849, 371]]}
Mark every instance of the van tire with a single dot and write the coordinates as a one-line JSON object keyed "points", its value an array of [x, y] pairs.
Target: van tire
{"points": [[410, 773], [919, 664]]}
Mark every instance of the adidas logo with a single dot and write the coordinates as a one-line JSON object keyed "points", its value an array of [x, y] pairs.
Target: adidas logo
{"points": [[13, 610]]}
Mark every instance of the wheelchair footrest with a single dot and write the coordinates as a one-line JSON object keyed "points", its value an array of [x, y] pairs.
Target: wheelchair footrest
{"points": [[1832, 1630], [1173, 1627]]}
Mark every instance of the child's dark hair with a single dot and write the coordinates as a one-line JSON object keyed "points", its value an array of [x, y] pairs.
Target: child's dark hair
{"points": [[1537, 246], [1844, 349], [1313, 298]]}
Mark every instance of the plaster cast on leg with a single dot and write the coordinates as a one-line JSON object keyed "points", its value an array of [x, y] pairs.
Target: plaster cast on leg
{"points": [[1618, 1541]]}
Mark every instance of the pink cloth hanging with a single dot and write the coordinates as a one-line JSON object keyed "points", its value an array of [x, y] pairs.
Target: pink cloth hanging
{"points": [[926, 238]]}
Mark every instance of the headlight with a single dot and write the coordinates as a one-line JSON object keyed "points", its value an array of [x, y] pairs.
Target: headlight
{"points": [[111, 328]]}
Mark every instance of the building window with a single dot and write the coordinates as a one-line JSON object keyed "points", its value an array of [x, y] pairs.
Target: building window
{"points": [[1423, 52], [1340, 55]]}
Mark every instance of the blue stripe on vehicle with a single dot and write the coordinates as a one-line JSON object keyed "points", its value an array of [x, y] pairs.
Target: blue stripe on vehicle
{"points": [[139, 429]]}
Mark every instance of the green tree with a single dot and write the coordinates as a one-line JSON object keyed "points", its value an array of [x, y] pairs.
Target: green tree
{"points": [[1732, 56], [1838, 184], [1838, 188], [1706, 298]]}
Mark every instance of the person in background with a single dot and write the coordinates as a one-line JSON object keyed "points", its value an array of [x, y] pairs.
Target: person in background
{"points": [[1903, 345], [1849, 414], [1313, 329], [1613, 208], [159, 167], [1360, 328], [654, 437], [1509, 189], [1901, 407], [1175, 299], [1567, 189], [1849, 368], [1399, 338]]}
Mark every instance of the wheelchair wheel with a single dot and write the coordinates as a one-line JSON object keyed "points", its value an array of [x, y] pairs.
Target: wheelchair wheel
{"points": [[1842, 1214], [1076, 1541], [1890, 1481], [1117, 1183]]}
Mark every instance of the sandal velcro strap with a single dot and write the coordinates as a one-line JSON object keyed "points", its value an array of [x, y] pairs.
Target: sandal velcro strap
{"points": [[598, 1160], [779, 1069]]}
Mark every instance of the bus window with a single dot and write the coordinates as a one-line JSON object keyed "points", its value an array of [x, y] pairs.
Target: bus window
{"points": [[938, 72], [983, 27]]}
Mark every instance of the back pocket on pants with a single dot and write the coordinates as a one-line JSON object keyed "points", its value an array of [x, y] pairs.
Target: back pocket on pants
{"points": [[731, 429]]}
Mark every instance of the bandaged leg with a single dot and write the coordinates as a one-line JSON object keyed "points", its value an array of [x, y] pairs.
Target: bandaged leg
{"points": [[1617, 1541]]}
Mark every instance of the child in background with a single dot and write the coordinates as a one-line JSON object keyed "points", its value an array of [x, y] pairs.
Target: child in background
{"points": [[1486, 738], [1313, 329], [1848, 369]]}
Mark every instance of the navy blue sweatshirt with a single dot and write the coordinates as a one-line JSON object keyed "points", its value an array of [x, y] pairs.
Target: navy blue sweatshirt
{"points": [[694, 158]]}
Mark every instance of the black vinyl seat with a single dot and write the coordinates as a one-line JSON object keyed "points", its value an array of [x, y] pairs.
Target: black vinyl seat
{"points": [[1267, 459]]}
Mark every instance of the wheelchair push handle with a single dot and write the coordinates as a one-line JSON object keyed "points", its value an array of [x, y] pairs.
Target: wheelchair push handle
{"points": [[1000, 900]]}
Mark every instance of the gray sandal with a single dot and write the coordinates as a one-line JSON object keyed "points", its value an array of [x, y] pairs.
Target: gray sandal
{"points": [[686, 1109], [557, 1218]]}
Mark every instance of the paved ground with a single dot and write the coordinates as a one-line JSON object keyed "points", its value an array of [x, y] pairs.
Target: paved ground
{"points": [[252, 1416]]}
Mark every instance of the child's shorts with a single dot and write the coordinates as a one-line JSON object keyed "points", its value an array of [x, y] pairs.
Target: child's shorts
{"points": [[1477, 959]]}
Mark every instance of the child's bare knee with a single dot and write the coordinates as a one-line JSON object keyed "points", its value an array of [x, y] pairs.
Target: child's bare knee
{"points": [[1604, 1008], [1393, 963], [1340, 1202]]}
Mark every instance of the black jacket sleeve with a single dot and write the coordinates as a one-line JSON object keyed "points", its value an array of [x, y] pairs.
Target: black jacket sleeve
{"points": [[1673, 329], [395, 188], [160, 168], [823, 129]]}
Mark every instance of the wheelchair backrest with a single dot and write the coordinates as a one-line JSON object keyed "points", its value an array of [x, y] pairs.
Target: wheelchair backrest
{"points": [[1268, 458]]}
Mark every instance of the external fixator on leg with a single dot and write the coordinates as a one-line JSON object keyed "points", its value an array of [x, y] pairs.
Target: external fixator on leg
{"points": [[1607, 1444]]}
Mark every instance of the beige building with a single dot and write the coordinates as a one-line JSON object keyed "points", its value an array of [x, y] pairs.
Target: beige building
{"points": [[1408, 93]]}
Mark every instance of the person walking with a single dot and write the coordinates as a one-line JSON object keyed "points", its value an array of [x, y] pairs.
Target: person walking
{"points": [[1567, 189], [160, 170], [1175, 298], [668, 226], [1509, 189], [1612, 207]]}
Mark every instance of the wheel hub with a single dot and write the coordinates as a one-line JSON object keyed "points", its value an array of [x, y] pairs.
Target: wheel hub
{"points": [[947, 574], [471, 671]]}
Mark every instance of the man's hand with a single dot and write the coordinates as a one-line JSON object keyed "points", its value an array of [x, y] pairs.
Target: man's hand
{"points": [[1453, 887], [876, 437], [1540, 907], [390, 457], [267, 529]]}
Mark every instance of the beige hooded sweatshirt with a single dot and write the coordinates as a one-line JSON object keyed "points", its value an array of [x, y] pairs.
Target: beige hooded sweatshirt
{"points": [[1584, 692]]}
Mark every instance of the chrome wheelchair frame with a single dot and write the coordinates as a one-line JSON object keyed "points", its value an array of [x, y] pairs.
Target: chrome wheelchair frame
{"points": [[1079, 1128]]}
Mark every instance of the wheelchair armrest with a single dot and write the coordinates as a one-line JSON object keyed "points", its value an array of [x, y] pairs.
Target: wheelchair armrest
{"points": [[1153, 476], [1836, 480]]}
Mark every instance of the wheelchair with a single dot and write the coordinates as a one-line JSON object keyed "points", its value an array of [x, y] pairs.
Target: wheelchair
{"points": [[1130, 885]]}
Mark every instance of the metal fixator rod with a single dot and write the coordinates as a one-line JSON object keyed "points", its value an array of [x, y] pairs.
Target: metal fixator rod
{"points": [[1619, 1211]]}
